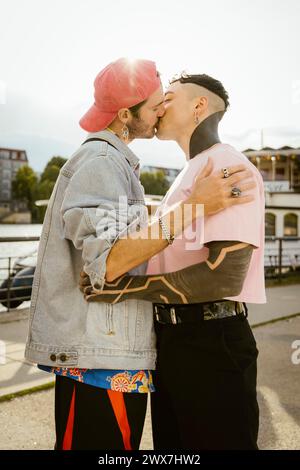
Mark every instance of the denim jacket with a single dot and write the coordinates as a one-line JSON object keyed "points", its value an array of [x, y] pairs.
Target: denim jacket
{"points": [[84, 218]]}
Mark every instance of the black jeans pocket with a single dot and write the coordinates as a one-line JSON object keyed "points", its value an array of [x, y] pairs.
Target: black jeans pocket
{"points": [[239, 346]]}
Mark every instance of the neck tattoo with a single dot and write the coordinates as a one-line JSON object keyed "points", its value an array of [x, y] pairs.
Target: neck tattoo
{"points": [[206, 134]]}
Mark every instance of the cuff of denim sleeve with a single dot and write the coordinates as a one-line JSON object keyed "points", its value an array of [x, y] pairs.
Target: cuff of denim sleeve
{"points": [[97, 281], [96, 270]]}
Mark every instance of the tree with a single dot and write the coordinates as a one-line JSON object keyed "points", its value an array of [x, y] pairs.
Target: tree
{"points": [[47, 182], [155, 183], [24, 186], [52, 169], [27, 188]]}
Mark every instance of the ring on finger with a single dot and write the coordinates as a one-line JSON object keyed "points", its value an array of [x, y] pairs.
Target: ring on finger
{"points": [[236, 192], [225, 173]]}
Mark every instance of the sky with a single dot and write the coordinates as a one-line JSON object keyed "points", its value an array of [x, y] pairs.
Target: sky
{"points": [[51, 52]]}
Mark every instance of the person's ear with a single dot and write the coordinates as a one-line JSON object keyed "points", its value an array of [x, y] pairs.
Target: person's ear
{"points": [[201, 104], [124, 115], [200, 107]]}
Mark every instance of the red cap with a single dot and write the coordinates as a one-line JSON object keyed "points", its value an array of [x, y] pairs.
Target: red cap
{"points": [[121, 84]]}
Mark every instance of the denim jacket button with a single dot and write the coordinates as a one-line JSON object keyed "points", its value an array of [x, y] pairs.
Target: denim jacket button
{"points": [[53, 357], [63, 357]]}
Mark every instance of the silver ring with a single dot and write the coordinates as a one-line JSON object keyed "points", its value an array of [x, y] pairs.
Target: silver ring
{"points": [[225, 173], [236, 192]]}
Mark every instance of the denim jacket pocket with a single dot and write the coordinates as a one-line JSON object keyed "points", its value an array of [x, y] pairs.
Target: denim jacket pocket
{"points": [[106, 326], [110, 319]]}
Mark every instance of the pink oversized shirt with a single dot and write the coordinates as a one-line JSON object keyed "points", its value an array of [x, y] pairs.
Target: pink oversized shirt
{"points": [[244, 223]]}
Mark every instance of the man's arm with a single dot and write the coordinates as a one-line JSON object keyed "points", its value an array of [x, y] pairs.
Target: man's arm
{"points": [[221, 275], [90, 212], [211, 191]]}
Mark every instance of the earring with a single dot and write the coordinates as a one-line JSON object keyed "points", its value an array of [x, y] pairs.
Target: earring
{"points": [[196, 119], [125, 133]]}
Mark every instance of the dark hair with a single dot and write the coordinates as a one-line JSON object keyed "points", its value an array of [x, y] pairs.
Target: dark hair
{"points": [[135, 110], [211, 84]]}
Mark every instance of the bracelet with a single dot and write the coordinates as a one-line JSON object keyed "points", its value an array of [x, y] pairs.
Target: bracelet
{"points": [[168, 236]]}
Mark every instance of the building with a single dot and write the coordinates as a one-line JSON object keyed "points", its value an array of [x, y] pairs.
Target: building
{"points": [[280, 169], [10, 161]]}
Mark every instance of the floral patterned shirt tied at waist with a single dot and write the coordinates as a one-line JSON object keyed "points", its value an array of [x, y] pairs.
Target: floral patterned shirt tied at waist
{"points": [[128, 381]]}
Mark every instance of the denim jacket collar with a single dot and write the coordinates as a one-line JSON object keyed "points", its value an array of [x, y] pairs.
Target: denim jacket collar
{"points": [[116, 142]]}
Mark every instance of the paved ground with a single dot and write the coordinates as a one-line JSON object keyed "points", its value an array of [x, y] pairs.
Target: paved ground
{"points": [[279, 384], [15, 373], [281, 302], [27, 422]]}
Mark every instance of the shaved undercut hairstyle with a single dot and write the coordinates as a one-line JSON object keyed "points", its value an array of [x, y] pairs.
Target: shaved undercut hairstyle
{"points": [[211, 84]]}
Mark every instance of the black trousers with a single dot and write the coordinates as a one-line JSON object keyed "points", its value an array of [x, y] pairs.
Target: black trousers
{"points": [[205, 383], [88, 417]]}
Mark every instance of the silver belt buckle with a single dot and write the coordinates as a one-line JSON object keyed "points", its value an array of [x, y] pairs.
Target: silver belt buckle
{"points": [[239, 308], [173, 316], [156, 312]]}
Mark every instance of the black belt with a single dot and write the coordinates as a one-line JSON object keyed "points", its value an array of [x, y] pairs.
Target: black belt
{"points": [[191, 313]]}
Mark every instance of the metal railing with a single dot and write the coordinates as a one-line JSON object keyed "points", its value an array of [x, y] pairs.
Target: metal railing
{"points": [[282, 258], [15, 279]]}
